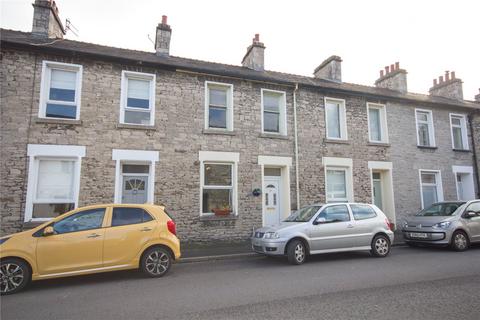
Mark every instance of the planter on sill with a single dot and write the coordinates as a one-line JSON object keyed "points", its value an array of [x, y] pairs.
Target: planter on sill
{"points": [[222, 212]]}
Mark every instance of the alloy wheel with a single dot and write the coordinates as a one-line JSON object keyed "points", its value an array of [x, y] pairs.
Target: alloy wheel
{"points": [[11, 277], [157, 263], [381, 246], [460, 241], [299, 253]]}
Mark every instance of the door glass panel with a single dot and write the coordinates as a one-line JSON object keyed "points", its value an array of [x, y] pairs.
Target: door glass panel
{"points": [[84, 220], [124, 216], [335, 214]]}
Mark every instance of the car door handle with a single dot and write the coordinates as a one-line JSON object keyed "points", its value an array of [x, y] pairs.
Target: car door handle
{"points": [[146, 229], [350, 226], [93, 235]]}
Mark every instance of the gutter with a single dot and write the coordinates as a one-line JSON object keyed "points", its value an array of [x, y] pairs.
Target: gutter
{"points": [[474, 149], [297, 183]]}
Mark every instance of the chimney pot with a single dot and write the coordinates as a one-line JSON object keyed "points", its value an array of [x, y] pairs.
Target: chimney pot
{"points": [[162, 38], [164, 19], [397, 65], [434, 82], [440, 79], [381, 73], [392, 67], [257, 37], [255, 57], [393, 78], [386, 69], [447, 75], [452, 75]]}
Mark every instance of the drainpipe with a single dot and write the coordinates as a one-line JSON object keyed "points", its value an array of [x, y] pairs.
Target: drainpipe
{"points": [[475, 163], [297, 183]]}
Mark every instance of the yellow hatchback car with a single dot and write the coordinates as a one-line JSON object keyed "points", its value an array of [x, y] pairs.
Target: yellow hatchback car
{"points": [[91, 239]]}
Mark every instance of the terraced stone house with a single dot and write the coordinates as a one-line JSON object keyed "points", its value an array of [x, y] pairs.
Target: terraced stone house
{"points": [[225, 148]]}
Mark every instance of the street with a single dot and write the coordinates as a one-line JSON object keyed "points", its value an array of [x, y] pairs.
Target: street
{"points": [[412, 283]]}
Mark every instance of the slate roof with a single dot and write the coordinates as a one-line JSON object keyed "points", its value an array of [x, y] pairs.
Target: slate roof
{"points": [[26, 41]]}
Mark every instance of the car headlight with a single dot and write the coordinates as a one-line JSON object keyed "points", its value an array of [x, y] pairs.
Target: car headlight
{"points": [[442, 225], [271, 235], [405, 224], [3, 240]]}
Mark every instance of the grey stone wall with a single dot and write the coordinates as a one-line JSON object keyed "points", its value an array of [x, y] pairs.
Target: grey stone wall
{"points": [[178, 135]]}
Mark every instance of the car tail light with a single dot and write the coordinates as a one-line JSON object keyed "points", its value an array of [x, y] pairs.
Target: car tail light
{"points": [[389, 225], [171, 227]]}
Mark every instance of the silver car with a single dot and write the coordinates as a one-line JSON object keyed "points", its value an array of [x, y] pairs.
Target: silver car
{"points": [[323, 228], [455, 224]]}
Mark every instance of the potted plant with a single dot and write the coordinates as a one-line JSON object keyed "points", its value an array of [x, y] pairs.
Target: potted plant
{"points": [[224, 210]]}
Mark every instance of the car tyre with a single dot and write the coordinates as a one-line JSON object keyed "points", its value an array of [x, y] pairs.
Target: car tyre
{"points": [[380, 246], [15, 274], [156, 262], [460, 241], [296, 252]]}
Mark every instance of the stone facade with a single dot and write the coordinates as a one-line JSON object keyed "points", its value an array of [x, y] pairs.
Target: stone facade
{"points": [[179, 134]]}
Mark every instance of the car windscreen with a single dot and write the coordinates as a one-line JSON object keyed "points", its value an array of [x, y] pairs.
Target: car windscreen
{"points": [[440, 209], [303, 215]]}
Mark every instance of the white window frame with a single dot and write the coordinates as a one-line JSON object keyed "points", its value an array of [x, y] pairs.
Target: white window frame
{"points": [[282, 126], [431, 128], [332, 163], [229, 115], [469, 185], [122, 156], [215, 157], [151, 77], [38, 152], [47, 67], [383, 122], [439, 184], [342, 120], [463, 128]]}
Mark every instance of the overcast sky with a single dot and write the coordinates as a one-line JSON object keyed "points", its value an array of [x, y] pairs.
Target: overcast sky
{"points": [[426, 37]]}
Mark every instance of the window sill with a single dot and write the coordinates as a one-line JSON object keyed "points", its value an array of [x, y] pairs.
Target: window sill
{"points": [[274, 136], [135, 126], [219, 132], [378, 144], [339, 141], [427, 147], [462, 150], [218, 218], [58, 121]]}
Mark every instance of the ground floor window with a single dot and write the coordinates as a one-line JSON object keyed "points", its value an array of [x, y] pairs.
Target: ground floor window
{"points": [[53, 180], [431, 187], [218, 183], [338, 179]]}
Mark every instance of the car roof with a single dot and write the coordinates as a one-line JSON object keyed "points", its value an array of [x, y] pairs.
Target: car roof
{"points": [[124, 205]]}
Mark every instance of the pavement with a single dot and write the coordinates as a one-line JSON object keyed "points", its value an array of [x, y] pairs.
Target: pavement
{"points": [[220, 250], [411, 283]]}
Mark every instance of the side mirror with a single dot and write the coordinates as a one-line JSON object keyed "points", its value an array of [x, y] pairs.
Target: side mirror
{"points": [[48, 231], [320, 220], [470, 214]]}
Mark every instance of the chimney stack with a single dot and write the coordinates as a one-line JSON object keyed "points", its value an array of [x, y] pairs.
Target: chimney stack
{"points": [[255, 57], [447, 87], [162, 38], [46, 21], [330, 69], [477, 97], [394, 78]]}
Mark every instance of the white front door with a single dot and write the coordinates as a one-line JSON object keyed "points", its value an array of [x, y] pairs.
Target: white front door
{"points": [[271, 199]]}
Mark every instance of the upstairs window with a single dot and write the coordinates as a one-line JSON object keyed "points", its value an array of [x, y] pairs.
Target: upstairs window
{"points": [[60, 91], [138, 98], [335, 119], [218, 106], [377, 123], [458, 126], [274, 112], [425, 133]]}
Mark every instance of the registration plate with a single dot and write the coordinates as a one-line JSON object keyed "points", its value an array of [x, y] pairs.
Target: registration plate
{"points": [[420, 235]]}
